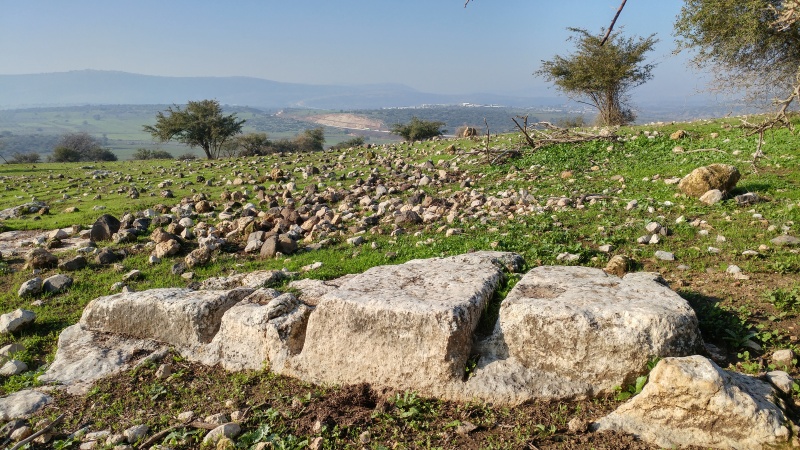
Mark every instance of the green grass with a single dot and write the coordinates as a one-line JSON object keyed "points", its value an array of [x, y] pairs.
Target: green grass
{"points": [[750, 318]]}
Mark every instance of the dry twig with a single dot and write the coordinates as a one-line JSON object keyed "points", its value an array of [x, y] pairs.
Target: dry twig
{"points": [[543, 134], [613, 21], [44, 430]]}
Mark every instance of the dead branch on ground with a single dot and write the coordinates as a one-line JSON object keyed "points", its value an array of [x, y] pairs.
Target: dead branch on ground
{"points": [[44, 430], [544, 134]]}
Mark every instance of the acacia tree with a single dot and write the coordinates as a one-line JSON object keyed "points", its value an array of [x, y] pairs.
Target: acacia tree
{"points": [[201, 124], [601, 74]]}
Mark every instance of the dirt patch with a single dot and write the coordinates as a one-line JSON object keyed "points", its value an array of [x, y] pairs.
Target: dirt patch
{"points": [[348, 121]]}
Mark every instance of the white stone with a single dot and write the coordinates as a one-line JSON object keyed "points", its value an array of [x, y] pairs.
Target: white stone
{"points": [[22, 404], [781, 380], [13, 367], [136, 433], [85, 356], [15, 320], [261, 329], [229, 430], [180, 317], [691, 401], [407, 326], [577, 331]]}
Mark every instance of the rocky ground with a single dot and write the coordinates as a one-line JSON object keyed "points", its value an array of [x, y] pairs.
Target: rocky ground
{"points": [[610, 205]]}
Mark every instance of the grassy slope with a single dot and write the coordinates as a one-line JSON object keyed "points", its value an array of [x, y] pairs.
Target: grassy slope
{"points": [[731, 312]]}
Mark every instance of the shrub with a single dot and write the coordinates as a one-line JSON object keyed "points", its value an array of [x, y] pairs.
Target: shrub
{"points": [[24, 158], [143, 154], [418, 129], [187, 157], [354, 142]]}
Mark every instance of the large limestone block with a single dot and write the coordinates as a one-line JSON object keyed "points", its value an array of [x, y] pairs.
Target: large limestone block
{"points": [[714, 176], [85, 356], [592, 328], [180, 317], [264, 328], [691, 401], [408, 326]]}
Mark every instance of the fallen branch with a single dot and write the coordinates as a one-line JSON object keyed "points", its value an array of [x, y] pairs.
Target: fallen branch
{"points": [[548, 134], [44, 430], [161, 434]]}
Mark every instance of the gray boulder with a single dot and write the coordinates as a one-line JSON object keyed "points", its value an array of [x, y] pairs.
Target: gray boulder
{"points": [[104, 228], [30, 287], [73, 264], [56, 283], [40, 258]]}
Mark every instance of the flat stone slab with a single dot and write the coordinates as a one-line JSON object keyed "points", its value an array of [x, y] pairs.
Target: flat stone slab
{"points": [[566, 318], [85, 356], [22, 404], [589, 330], [691, 401], [181, 317], [407, 326]]}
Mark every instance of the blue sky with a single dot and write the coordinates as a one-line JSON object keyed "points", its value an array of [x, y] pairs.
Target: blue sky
{"points": [[430, 45]]}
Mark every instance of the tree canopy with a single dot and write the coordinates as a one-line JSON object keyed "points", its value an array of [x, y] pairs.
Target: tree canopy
{"points": [[201, 124], [80, 146], [748, 44], [418, 129], [601, 75]]}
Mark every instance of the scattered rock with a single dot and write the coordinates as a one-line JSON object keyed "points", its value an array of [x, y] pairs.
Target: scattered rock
{"points": [[785, 241], [664, 256], [30, 288], [784, 359], [13, 367], [22, 404], [712, 197], [229, 430], [679, 134], [73, 264], [40, 258], [104, 228], [15, 320], [57, 283], [715, 176], [618, 265]]}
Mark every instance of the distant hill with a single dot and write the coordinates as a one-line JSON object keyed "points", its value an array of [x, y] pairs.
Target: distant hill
{"points": [[107, 87]]}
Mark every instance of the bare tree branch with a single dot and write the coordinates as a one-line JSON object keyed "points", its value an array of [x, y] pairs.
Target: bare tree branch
{"points": [[613, 21]]}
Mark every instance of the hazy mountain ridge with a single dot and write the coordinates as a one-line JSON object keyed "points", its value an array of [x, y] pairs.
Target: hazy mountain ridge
{"points": [[110, 87]]}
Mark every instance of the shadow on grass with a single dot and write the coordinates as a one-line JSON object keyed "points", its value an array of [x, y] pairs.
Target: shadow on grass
{"points": [[718, 325]]}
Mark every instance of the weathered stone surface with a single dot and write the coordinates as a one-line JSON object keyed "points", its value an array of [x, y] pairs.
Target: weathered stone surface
{"points": [[180, 317], [73, 264], [311, 291], [715, 176], [712, 197], [253, 280], [104, 228], [229, 430], [167, 248], [56, 283], [691, 401], [107, 256], [264, 328], [198, 257], [422, 313], [12, 367], [22, 404], [15, 320], [583, 329], [30, 287], [785, 241], [85, 356], [40, 258]]}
